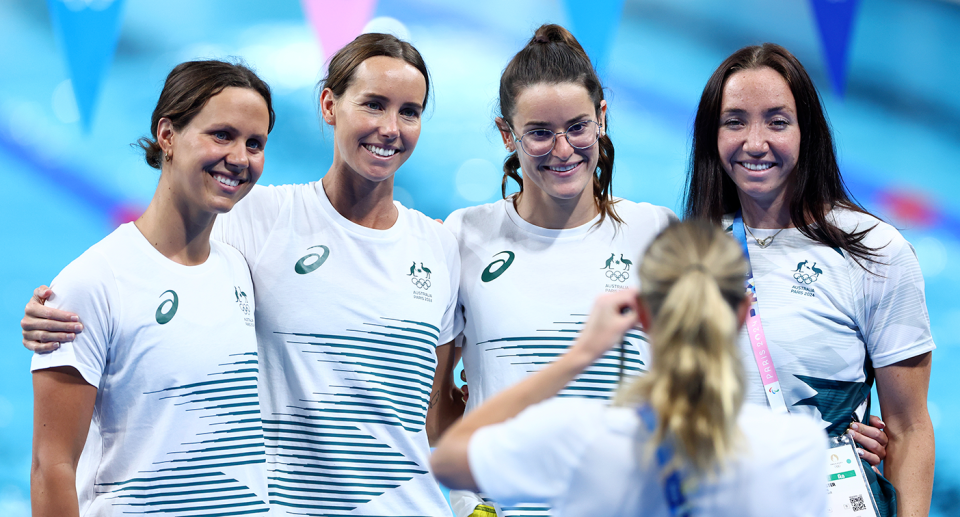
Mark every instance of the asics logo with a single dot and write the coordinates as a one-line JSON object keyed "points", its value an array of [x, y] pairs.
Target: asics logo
{"points": [[497, 267], [312, 261], [168, 308]]}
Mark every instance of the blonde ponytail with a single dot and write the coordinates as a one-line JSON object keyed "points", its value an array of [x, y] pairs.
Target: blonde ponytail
{"points": [[692, 282]]}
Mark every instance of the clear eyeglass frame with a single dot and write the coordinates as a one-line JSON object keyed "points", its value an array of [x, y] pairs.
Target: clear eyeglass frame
{"points": [[555, 135]]}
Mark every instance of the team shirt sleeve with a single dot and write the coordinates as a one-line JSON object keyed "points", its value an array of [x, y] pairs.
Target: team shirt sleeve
{"points": [[86, 287], [247, 226], [452, 322], [454, 223], [533, 457], [897, 325], [667, 217]]}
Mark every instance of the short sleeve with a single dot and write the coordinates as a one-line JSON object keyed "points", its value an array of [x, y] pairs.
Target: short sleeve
{"points": [[897, 325], [454, 223], [533, 457], [247, 226], [452, 322], [88, 288], [666, 216]]}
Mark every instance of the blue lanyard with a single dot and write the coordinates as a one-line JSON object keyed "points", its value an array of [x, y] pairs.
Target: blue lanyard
{"points": [[673, 483], [740, 233]]}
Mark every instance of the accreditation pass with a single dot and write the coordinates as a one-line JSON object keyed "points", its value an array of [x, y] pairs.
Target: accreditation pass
{"points": [[848, 493]]}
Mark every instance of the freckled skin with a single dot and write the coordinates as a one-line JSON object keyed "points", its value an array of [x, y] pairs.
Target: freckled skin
{"points": [[758, 128]]}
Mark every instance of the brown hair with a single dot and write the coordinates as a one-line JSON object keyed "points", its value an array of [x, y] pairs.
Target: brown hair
{"points": [[692, 282], [186, 91], [554, 56], [344, 63], [816, 182]]}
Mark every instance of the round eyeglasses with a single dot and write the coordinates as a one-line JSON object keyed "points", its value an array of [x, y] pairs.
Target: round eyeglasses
{"points": [[539, 142]]}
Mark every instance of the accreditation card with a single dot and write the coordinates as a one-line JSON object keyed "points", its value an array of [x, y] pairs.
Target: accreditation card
{"points": [[848, 492]]}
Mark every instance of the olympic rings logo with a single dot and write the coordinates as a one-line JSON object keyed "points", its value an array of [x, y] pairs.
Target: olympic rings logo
{"points": [[618, 276], [804, 278], [421, 283]]}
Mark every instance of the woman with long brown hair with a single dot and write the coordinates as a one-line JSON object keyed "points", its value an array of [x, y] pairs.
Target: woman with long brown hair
{"points": [[839, 292]]}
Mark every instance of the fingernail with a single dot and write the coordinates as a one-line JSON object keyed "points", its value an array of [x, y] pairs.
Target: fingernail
{"points": [[855, 426], [78, 327], [859, 452], [74, 318]]}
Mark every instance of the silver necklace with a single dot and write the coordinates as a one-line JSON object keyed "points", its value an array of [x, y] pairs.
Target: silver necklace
{"points": [[764, 242]]}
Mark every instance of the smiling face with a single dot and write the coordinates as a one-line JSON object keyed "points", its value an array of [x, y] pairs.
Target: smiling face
{"points": [[377, 119], [565, 174], [218, 156], [759, 138]]}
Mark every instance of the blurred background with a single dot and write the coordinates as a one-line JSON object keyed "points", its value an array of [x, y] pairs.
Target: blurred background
{"points": [[80, 78]]}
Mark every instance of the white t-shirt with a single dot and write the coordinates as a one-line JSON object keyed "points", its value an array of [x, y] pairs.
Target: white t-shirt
{"points": [[584, 459], [829, 323], [526, 291], [348, 320], [173, 354]]}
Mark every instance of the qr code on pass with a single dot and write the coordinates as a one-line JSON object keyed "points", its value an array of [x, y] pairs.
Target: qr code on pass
{"points": [[856, 502]]}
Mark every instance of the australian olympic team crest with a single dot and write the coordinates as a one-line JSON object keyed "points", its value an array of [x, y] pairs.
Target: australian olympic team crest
{"points": [[617, 270], [243, 302], [805, 274], [420, 277]]}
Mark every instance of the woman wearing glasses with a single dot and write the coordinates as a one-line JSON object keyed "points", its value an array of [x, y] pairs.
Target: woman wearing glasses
{"points": [[533, 262]]}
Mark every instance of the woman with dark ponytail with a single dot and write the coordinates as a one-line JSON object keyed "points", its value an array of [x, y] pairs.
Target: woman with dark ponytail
{"points": [[679, 440], [532, 262]]}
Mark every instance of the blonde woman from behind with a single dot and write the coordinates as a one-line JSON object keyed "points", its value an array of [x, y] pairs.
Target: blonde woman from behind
{"points": [[680, 441]]}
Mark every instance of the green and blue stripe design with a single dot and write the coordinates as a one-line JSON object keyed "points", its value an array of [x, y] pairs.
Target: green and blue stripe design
{"points": [[599, 381], [323, 459], [195, 481]]}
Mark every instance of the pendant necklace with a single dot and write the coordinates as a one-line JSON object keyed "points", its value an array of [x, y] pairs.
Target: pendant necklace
{"points": [[764, 242]]}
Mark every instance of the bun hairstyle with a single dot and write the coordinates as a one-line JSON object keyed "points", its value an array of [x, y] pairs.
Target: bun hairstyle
{"points": [[186, 91], [345, 62], [816, 182], [692, 282], [554, 56]]}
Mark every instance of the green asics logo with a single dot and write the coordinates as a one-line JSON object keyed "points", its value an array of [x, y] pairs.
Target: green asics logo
{"points": [[164, 316], [489, 274], [311, 262]]}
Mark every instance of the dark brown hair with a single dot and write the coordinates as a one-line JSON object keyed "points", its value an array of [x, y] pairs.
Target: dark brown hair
{"points": [[186, 91], [816, 184], [554, 56], [344, 63]]}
